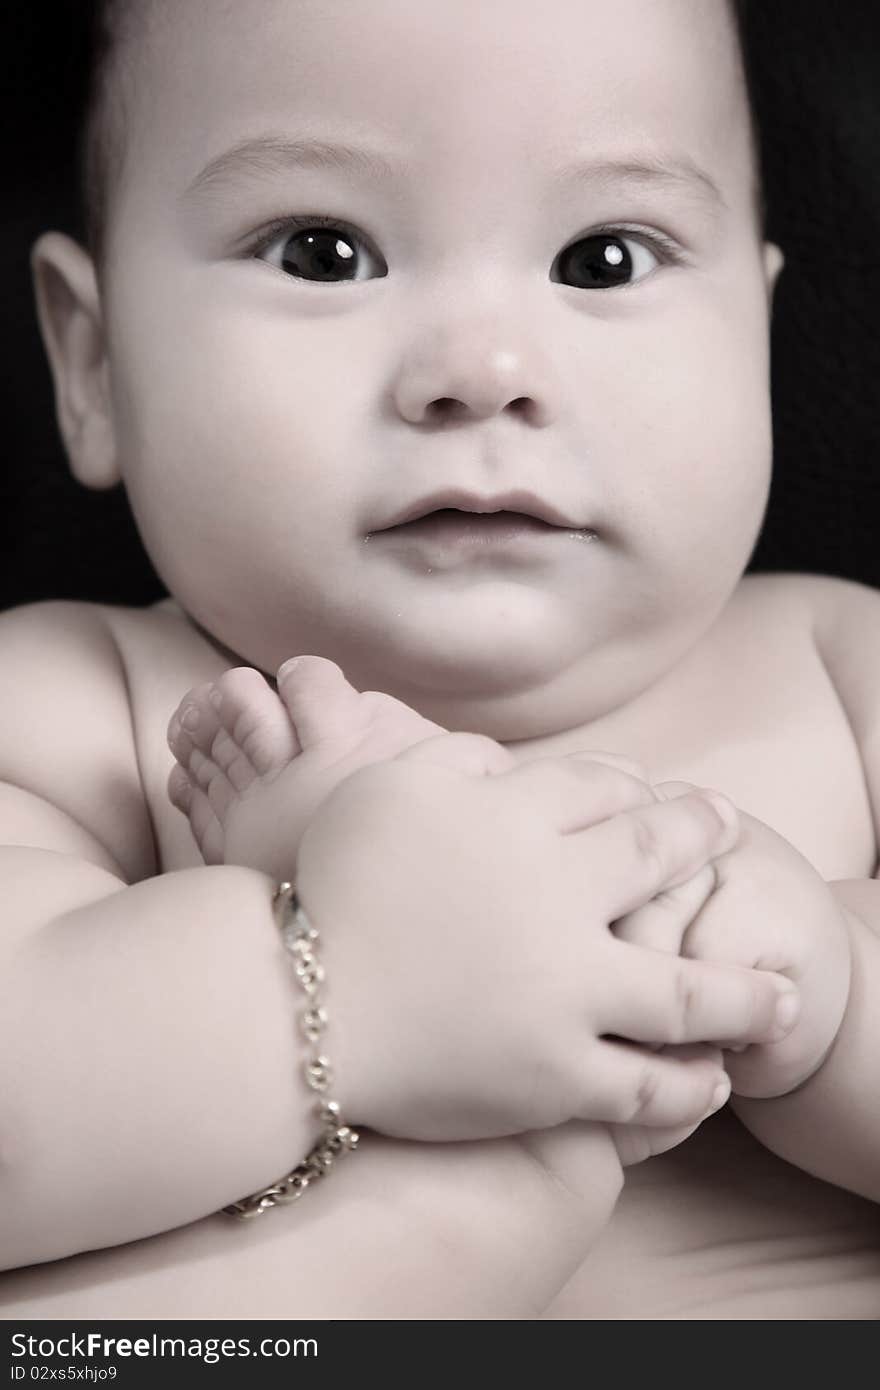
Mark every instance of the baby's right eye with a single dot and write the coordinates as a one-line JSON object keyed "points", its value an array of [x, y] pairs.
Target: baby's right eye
{"points": [[320, 250]]}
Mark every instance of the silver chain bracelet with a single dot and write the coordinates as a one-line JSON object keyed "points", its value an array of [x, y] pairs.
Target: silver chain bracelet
{"points": [[301, 939]]}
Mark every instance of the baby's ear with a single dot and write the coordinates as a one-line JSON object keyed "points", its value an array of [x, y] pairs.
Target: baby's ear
{"points": [[774, 261], [72, 326]]}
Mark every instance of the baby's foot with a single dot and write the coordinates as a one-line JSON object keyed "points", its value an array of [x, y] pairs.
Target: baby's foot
{"points": [[253, 766]]}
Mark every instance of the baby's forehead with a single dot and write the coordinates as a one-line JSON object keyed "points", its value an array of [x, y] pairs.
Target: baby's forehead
{"points": [[467, 85]]}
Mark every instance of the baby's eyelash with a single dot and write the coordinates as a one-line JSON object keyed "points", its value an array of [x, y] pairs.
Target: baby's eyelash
{"points": [[264, 238], [669, 251]]}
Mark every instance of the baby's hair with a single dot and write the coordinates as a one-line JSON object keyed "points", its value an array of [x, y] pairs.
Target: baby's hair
{"points": [[116, 25]]}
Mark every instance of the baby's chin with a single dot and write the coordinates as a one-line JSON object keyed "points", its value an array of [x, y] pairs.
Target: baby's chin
{"points": [[477, 651]]}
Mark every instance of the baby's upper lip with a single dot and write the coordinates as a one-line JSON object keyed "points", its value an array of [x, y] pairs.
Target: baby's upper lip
{"points": [[519, 500]]}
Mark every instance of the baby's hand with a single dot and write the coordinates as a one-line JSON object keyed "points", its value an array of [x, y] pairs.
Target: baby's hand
{"points": [[253, 769], [475, 986], [764, 906]]}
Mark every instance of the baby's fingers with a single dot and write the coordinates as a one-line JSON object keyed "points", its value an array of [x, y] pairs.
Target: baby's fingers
{"points": [[628, 860], [632, 1085], [662, 923], [667, 999]]}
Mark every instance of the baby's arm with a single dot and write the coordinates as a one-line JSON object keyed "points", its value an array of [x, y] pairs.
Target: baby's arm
{"points": [[148, 1049], [484, 1230], [149, 1070], [149, 1054], [148, 1075]]}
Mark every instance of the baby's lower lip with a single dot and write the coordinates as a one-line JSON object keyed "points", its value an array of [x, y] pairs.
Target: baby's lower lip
{"points": [[463, 529]]}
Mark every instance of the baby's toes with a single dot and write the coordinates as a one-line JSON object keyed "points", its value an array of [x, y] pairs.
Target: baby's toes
{"points": [[325, 709], [193, 725], [254, 736], [198, 784], [196, 738], [191, 732], [215, 735]]}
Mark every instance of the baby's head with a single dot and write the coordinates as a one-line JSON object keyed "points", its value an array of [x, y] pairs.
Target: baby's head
{"points": [[549, 279]]}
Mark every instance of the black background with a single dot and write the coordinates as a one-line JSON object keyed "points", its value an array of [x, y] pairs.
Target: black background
{"points": [[817, 88]]}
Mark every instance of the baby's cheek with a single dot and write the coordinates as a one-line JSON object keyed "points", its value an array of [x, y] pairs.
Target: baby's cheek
{"points": [[682, 449], [712, 430]]}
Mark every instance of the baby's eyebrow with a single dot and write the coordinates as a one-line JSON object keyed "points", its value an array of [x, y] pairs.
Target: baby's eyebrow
{"points": [[272, 154], [674, 173]]}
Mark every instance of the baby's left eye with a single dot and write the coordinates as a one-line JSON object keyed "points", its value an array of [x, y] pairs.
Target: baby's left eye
{"points": [[605, 260]]}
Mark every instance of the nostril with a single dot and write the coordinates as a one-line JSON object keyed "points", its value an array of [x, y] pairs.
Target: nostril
{"points": [[446, 406]]}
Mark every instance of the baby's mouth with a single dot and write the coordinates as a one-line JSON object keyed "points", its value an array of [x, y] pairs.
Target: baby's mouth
{"points": [[515, 526], [518, 503], [454, 528]]}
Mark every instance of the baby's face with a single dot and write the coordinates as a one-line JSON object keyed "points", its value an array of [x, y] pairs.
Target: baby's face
{"points": [[463, 329]]}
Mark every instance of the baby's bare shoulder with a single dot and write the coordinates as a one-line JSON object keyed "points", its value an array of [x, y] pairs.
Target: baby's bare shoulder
{"points": [[819, 605], [68, 760], [816, 594], [842, 615], [787, 593], [842, 618], [844, 626]]}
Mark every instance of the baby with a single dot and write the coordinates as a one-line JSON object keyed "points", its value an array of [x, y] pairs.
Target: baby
{"points": [[431, 345]]}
